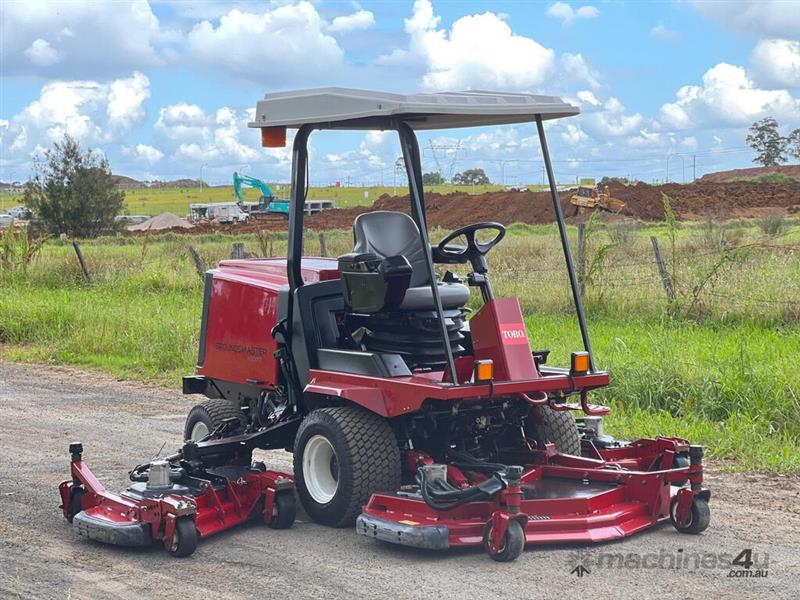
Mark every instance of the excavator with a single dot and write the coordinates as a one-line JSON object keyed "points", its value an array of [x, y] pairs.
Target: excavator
{"points": [[589, 196], [268, 203]]}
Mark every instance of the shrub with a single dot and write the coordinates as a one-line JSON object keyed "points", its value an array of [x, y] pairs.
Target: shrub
{"points": [[772, 225]]}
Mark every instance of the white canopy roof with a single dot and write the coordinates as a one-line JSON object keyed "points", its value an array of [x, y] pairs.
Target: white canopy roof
{"points": [[342, 108]]}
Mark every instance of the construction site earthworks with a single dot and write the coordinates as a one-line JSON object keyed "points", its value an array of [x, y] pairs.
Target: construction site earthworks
{"points": [[697, 201]]}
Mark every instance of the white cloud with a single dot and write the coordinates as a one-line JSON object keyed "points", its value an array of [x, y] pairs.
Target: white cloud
{"points": [[478, 51], [126, 98], [727, 97], [183, 122], [611, 121], [221, 137], [362, 19], [588, 98], [663, 34], [148, 154], [575, 67], [374, 157], [284, 45], [770, 18], [777, 62], [90, 111], [78, 39], [574, 135], [566, 14], [42, 54]]}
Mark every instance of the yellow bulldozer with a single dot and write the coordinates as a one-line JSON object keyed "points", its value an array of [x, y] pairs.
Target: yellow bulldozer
{"points": [[589, 196]]}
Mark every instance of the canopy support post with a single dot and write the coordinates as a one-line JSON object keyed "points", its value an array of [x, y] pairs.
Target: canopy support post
{"points": [[562, 230], [411, 156]]}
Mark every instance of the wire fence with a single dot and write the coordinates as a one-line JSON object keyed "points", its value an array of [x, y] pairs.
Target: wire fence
{"points": [[613, 276]]}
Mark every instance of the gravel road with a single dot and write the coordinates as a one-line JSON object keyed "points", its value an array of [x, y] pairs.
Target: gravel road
{"points": [[43, 408]]}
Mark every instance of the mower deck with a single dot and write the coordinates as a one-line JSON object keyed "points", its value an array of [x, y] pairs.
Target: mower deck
{"points": [[559, 499], [193, 502]]}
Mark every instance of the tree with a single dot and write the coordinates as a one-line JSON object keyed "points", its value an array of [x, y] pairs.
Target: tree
{"points": [[767, 142], [74, 192], [793, 144], [471, 177], [433, 178]]}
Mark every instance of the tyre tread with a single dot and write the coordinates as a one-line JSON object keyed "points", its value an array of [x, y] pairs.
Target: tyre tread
{"points": [[373, 453]]}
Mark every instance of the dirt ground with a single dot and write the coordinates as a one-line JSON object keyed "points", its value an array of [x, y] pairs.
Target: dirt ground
{"points": [[43, 408]]}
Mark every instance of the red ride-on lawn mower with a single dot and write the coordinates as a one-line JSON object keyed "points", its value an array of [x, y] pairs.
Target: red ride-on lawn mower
{"points": [[419, 425]]}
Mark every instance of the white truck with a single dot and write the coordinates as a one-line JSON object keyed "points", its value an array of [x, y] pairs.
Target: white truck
{"points": [[220, 212]]}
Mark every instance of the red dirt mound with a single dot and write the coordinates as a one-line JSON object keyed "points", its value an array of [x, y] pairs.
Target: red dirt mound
{"points": [[699, 200], [689, 202], [450, 211], [703, 200], [720, 176]]}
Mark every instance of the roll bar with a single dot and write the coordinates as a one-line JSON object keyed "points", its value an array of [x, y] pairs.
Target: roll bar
{"points": [[411, 156]]}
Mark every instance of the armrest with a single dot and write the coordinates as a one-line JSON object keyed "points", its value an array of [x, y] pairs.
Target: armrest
{"points": [[359, 262]]}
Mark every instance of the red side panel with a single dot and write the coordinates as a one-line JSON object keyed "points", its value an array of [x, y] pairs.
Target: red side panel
{"points": [[239, 347], [243, 310], [498, 333]]}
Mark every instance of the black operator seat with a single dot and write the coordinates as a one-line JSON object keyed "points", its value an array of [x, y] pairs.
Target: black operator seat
{"points": [[388, 233]]}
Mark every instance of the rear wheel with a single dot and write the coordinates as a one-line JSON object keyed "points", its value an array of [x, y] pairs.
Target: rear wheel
{"points": [[342, 456], [556, 427], [208, 415]]}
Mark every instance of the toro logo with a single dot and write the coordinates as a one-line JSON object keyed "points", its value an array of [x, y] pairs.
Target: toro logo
{"points": [[513, 333]]}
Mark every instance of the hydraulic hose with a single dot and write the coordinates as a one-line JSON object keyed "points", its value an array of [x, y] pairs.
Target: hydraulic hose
{"points": [[440, 495]]}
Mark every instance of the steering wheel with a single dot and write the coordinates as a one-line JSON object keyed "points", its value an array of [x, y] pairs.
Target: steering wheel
{"points": [[474, 248]]}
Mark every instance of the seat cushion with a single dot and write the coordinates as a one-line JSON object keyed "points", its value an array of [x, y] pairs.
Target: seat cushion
{"points": [[453, 295], [388, 233]]}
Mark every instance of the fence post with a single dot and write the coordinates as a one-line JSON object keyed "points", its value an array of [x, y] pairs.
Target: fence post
{"points": [[198, 262], [323, 246], [663, 271], [582, 258], [237, 250], [82, 261]]}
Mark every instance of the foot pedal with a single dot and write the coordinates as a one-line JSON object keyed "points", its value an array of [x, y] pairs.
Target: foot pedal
{"points": [[593, 410]]}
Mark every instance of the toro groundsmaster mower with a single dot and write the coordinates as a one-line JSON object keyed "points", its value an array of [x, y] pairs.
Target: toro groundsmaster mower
{"points": [[419, 425]]}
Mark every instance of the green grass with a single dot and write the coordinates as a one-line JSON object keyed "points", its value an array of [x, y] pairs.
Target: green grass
{"points": [[775, 178], [717, 367]]}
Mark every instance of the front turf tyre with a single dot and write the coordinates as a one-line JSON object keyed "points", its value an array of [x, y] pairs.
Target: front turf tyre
{"points": [[556, 427], [210, 414], [513, 542], [184, 540], [699, 519], [342, 455], [75, 504], [283, 511]]}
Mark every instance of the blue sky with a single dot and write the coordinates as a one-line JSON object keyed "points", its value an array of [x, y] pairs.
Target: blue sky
{"points": [[164, 88]]}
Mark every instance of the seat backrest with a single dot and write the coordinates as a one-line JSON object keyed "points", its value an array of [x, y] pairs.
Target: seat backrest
{"points": [[388, 233]]}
